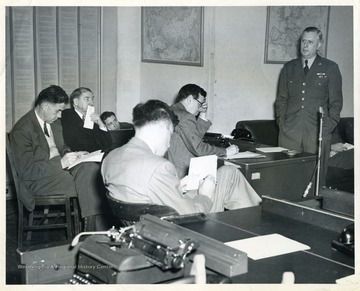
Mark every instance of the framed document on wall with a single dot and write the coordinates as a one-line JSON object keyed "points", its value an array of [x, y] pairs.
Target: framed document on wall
{"points": [[172, 35], [284, 25]]}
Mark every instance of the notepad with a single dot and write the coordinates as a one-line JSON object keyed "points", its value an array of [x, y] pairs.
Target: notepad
{"points": [[266, 246], [90, 157], [88, 123], [199, 168]]}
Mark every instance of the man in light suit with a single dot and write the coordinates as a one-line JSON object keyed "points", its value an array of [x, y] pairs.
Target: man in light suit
{"points": [[306, 84], [138, 173], [41, 158], [76, 136]]}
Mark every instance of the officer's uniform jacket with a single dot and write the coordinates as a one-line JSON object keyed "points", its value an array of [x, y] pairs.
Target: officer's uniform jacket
{"points": [[299, 99]]}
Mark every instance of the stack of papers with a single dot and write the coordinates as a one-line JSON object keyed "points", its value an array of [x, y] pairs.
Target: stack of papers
{"points": [[244, 155], [271, 149]]}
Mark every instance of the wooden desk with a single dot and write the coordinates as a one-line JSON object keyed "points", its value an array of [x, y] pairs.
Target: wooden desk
{"points": [[279, 175], [320, 264]]}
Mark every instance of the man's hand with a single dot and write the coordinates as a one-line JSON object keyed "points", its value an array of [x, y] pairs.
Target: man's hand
{"points": [[81, 153], [207, 187], [96, 119], [232, 150], [183, 183], [338, 147], [204, 107], [68, 159]]}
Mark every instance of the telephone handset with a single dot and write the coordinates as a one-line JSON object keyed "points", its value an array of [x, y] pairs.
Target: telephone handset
{"points": [[242, 133], [345, 241]]}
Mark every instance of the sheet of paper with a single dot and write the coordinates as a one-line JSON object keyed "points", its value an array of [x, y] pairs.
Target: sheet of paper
{"points": [[88, 123], [266, 246], [349, 146], [271, 149], [90, 157], [199, 168], [244, 155]]}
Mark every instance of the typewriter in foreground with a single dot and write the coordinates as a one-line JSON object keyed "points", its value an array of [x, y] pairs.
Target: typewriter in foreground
{"points": [[154, 251]]}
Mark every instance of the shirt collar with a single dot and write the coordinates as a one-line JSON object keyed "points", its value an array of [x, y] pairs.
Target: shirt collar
{"points": [[79, 113], [310, 61], [41, 122]]}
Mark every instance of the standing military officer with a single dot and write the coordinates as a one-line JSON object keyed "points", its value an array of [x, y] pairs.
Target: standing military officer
{"points": [[306, 84]]}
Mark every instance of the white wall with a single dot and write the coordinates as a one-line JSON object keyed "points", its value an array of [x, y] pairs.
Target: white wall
{"points": [[240, 86]]}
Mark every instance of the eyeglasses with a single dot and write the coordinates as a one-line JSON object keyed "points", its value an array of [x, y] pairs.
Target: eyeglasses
{"points": [[201, 103]]}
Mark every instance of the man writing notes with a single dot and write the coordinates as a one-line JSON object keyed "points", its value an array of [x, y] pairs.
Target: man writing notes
{"points": [[78, 137], [41, 157], [305, 85], [138, 173], [187, 142]]}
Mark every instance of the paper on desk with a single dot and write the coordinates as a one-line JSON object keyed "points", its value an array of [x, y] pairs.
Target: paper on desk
{"points": [[271, 149], [199, 168], [244, 155], [90, 157], [88, 123], [266, 246]]}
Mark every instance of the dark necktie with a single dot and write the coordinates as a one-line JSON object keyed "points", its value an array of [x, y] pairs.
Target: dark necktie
{"points": [[306, 68], [83, 117], [45, 130]]}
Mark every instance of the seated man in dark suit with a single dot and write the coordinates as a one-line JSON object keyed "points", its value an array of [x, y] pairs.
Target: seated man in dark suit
{"points": [[76, 136], [112, 123], [120, 132], [41, 158]]}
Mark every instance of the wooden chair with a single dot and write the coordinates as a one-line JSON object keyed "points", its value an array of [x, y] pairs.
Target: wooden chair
{"points": [[51, 211], [129, 213]]}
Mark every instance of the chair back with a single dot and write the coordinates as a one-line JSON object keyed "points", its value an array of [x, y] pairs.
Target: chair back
{"points": [[128, 213], [12, 163]]}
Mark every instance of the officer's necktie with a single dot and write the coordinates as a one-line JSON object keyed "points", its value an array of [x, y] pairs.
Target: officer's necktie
{"points": [[83, 117], [45, 130], [306, 68]]}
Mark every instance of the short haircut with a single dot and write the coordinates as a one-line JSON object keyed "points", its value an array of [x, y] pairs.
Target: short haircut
{"points": [[190, 89], [152, 111], [106, 114], [313, 29], [77, 92], [53, 94]]}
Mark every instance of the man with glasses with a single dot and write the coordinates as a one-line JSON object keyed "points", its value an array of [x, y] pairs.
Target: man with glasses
{"points": [[187, 142]]}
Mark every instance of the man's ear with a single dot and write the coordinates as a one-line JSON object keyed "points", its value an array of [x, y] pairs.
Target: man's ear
{"points": [[44, 105], [76, 101], [319, 45]]}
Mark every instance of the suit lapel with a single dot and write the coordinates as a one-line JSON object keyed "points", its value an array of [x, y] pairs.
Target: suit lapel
{"points": [[38, 133]]}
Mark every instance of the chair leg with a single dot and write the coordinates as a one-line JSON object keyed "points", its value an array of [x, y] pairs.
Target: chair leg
{"points": [[20, 225], [69, 229], [46, 213], [30, 223], [76, 216]]}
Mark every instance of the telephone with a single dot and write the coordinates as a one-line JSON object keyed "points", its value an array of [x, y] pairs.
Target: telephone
{"points": [[345, 241], [242, 133]]}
